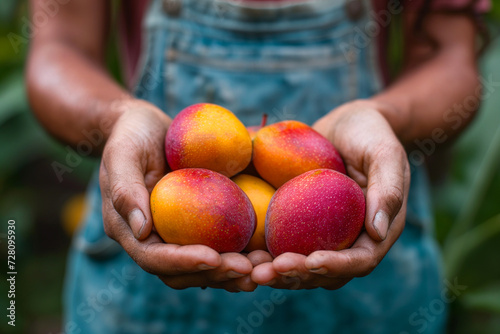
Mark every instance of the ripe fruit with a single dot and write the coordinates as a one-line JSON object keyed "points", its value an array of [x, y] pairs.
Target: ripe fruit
{"points": [[284, 150], [252, 130], [208, 136], [318, 210], [259, 192], [199, 206]]}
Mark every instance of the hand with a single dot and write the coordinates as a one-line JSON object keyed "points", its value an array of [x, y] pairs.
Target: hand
{"points": [[133, 161], [377, 161]]}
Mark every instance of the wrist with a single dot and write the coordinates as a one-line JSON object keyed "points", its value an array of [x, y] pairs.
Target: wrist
{"points": [[352, 114], [397, 116], [349, 110], [126, 106], [397, 113]]}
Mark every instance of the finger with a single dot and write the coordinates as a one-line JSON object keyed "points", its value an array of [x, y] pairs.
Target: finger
{"points": [[231, 275], [155, 256], [245, 284], [127, 172], [292, 265], [264, 274], [233, 265], [229, 286], [259, 256], [242, 284], [333, 284], [169, 259], [123, 183], [180, 282], [388, 176], [317, 281], [357, 261]]}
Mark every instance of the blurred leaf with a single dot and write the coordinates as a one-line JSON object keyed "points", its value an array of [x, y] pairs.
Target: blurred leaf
{"points": [[18, 204], [466, 321], [457, 250], [7, 9], [29, 143], [12, 97], [484, 176], [12, 51], [485, 298], [494, 13], [469, 154]]}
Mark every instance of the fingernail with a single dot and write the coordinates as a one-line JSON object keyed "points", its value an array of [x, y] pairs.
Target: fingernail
{"points": [[205, 266], [137, 221], [381, 224], [234, 274], [313, 262], [271, 282], [291, 273], [320, 271]]}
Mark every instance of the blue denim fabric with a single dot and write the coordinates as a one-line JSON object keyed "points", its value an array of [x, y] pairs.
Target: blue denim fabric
{"points": [[288, 62]]}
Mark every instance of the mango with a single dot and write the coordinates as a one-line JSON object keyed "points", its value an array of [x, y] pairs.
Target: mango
{"points": [[318, 210], [208, 136], [260, 193], [199, 206], [284, 150]]}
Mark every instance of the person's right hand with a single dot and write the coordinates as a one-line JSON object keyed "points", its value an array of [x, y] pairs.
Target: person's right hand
{"points": [[133, 161]]}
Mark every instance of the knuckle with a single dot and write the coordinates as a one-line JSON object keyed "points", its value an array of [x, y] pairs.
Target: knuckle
{"points": [[394, 198], [144, 265], [390, 150], [140, 257], [176, 259], [119, 196], [109, 223], [350, 263], [370, 266], [108, 229]]}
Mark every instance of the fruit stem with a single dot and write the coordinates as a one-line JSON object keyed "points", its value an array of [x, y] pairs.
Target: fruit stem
{"points": [[264, 120]]}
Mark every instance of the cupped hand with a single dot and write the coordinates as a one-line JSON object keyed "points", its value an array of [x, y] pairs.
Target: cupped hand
{"points": [[377, 161], [133, 161]]}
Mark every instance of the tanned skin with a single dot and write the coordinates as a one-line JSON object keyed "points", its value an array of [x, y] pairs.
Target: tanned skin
{"points": [[71, 93]]}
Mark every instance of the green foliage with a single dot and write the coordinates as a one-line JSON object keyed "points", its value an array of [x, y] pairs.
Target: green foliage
{"points": [[494, 13], [466, 204], [30, 192], [468, 214]]}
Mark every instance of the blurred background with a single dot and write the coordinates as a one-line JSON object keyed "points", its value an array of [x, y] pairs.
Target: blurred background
{"points": [[47, 209]]}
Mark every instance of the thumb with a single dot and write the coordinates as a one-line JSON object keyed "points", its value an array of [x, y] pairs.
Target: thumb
{"points": [[388, 183], [122, 182]]}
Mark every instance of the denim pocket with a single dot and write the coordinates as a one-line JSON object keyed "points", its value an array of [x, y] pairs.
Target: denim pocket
{"points": [[283, 78]]}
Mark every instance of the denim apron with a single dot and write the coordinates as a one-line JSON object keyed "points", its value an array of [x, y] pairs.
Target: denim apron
{"points": [[288, 60]]}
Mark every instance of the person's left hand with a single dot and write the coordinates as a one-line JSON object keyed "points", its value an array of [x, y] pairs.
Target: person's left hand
{"points": [[377, 161]]}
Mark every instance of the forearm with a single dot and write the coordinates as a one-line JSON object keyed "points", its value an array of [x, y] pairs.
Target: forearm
{"points": [[438, 92], [70, 94], [69, 89], [439, 98]]}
